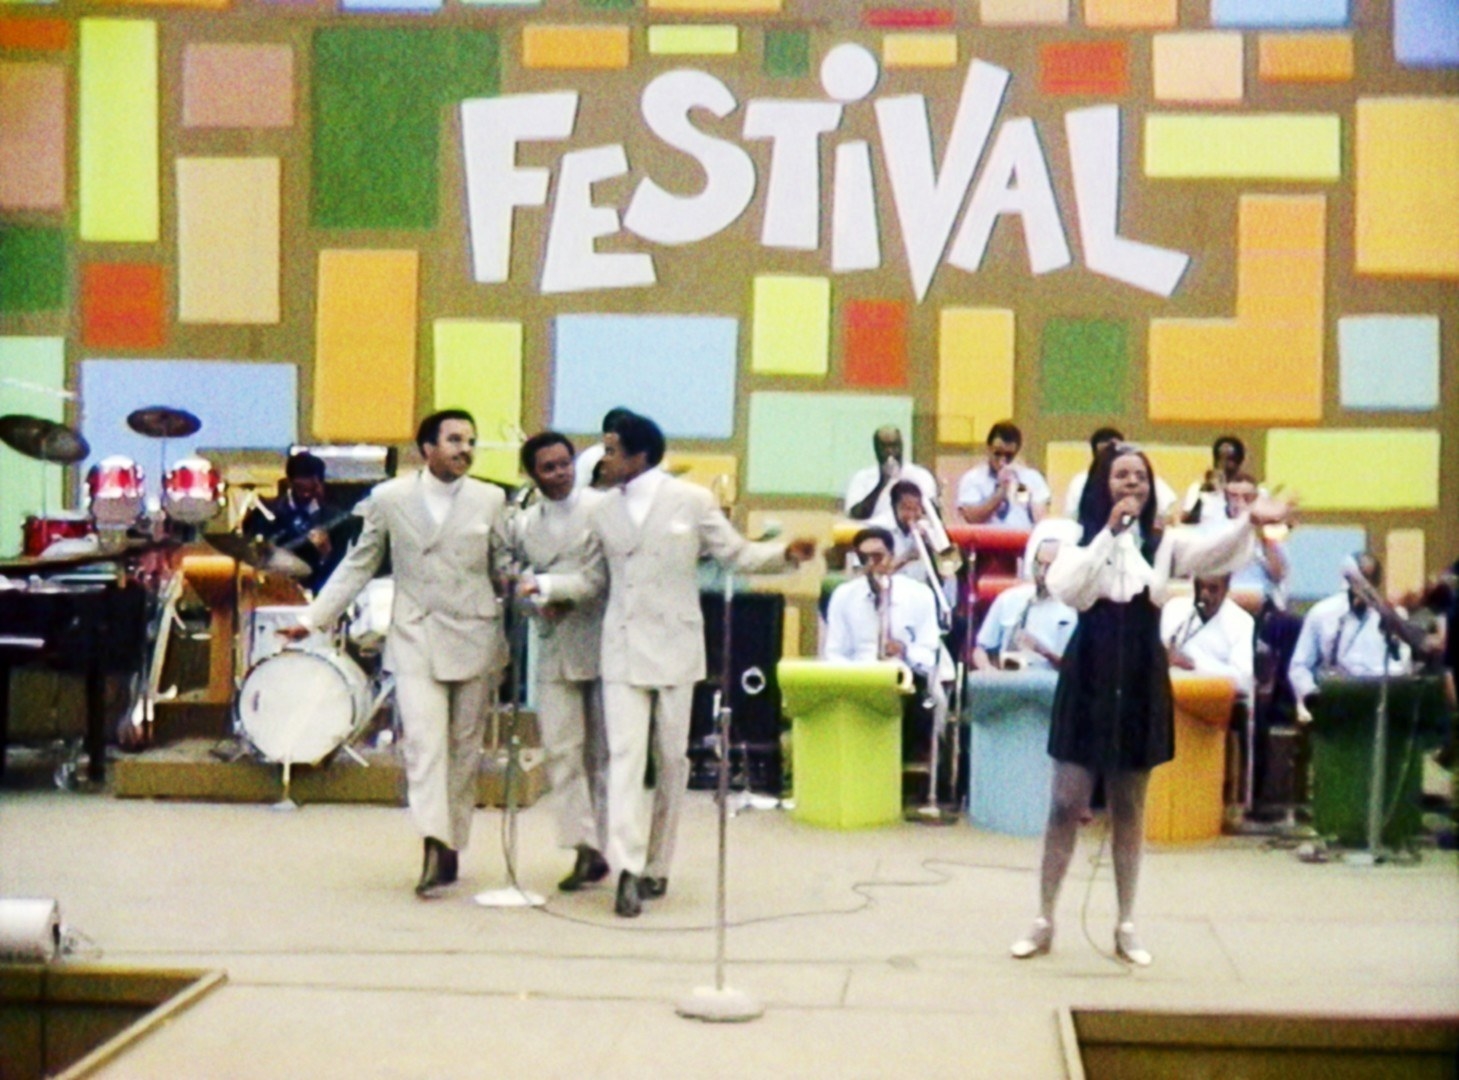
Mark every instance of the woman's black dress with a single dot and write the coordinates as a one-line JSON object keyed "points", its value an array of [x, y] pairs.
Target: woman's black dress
{"points": [[1112, 705]]}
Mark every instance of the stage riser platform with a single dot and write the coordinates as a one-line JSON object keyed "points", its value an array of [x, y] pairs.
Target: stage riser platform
{"points": [[188, 770]]}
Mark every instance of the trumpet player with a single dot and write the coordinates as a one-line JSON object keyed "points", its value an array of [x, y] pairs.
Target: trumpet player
{"points": [[1026, 626], [880, 615], [1001, 491]]}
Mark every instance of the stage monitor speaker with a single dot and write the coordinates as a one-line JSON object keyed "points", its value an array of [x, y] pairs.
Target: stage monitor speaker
{"points": [[755, 725]]}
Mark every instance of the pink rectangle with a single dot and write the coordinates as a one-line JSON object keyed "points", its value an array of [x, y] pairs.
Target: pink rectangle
{"points": [[32, 137], [238, 86]]}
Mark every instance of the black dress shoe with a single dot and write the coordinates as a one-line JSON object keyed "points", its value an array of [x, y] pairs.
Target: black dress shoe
{"points": [[590, 867], [628, 904], [438, 869], [651, 888]]}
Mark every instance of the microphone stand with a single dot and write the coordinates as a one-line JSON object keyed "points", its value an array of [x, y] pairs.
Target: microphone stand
{"points": [[931, 811], [720, 1003], [513, 895]]}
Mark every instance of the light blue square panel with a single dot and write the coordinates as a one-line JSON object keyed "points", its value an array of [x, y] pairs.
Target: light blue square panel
{"points": [[1315, 554], [678, 370], [241, 406], [1388, 361], [1426, 33], [1279, 14]]}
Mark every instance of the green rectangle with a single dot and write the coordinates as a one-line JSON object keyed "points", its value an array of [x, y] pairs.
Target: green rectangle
{"points": [[1085, 366], [41, 363], [1274, 146], [791, 334], [32, 269], [117, 114], [693, 40], [787, 54], [810, 444], [379, 96], [478, 367]]}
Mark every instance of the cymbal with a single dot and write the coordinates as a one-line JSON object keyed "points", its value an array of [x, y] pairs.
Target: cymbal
{"points": [[44, 440], [259, 554], [163, 422]]}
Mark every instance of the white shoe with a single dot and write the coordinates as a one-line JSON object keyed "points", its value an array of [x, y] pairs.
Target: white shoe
{"points": [[1038, 940], [1127, 946]]}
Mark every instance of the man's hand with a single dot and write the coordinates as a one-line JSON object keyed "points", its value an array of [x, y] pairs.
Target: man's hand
{"points": [[891, 468], [800, 550], [1023, 641], [320, 539], [1181, 660], [895, 650], [527, 585], [296, 633]]}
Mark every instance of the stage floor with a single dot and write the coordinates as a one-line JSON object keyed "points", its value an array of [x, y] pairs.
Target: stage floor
{"points": [[877, 954]]}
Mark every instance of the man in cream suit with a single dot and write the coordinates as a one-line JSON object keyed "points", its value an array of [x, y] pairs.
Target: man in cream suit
{"points": [[648, 534], [551, 536], [445, 536]]}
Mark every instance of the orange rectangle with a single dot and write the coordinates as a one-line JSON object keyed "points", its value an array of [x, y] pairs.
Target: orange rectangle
{"points": [[35, 35], [1084, 68], [875, 344], [1304, 57], [365, 346], [1159, 14], [575, 47]]}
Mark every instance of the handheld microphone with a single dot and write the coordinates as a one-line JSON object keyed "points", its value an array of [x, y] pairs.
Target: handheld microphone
{"points": [[1126, 520]]}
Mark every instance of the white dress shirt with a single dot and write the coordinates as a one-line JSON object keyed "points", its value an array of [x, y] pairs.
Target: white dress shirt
{"points": [[1334, 640], [1221, 645], [853, 623], [638, 494], [864, 481], [978, 484], [584, 465], [1049, 620], [439, 494]]}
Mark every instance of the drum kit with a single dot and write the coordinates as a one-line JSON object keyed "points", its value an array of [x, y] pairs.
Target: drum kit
{"points": [[296, 704]]}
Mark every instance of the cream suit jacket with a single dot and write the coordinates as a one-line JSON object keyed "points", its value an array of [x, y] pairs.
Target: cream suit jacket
{"points": [[567, 647], [446, 620], [653, 630]]}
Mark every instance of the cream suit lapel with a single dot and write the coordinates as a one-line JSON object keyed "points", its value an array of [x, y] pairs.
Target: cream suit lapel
{"points": [[416, 512], [620, 533], [462, 505]]}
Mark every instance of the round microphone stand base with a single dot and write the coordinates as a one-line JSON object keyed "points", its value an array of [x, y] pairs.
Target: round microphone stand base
{"points": [[509, 898], [723, 1005]]}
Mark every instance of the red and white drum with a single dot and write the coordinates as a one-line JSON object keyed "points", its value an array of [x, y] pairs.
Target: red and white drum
{"points": [[41, 532], [193, 491], [115, 492]]}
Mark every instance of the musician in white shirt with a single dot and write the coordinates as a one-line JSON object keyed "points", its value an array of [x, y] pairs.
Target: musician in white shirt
{"points": [[869, 492], [1343, 635], [1027, 620], [1208, 633]]}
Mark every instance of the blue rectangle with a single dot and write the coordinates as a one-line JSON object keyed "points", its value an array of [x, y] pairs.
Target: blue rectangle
{"points": [[1315, 554], [1426, 33], [811, 444], [1388, 361], [1279, 14], [677, 369], [241, 406], [390, 5]]}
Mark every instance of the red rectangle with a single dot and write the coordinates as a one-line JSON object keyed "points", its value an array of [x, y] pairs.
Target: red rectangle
{"points": [[1084, 69], [122, 306], [907, 18], [875, 344], [35, 35]]}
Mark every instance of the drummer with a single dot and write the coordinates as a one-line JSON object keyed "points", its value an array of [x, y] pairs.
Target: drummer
{"points": [[303, 520]]}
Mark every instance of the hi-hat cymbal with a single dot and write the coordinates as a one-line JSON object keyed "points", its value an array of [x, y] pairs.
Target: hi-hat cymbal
{"points": [[163, 422], [260, 554], [43, 439]]}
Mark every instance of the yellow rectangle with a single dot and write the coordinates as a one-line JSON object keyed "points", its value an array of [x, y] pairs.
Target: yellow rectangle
{"points": [[1216, 371], [1356, 468], [717, 7], [1023, 12], [693, 40], [719, 473], [919, 50], [1407, 216], [792, 325], [975, 355], [1304, 57], [118, 131], [1200, 66], [575, 47], [1062, 462], [228, 240], [1403, 569], [1131, 13], [819, 525], [478, 367], [790, 632], [1272, 146], [364, 350]]}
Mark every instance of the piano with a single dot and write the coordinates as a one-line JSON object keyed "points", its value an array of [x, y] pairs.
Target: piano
{"points": [[91, 626]]}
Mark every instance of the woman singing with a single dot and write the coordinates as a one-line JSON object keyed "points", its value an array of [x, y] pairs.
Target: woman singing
{"points": [[1112, 713]]}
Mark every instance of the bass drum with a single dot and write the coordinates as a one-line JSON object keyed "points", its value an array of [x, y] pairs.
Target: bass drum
{"points": [[300, 705]]}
